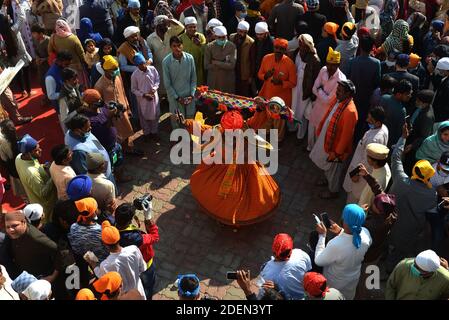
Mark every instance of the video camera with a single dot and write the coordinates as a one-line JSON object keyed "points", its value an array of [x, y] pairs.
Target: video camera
{"points": [[138, 202], [112, 105]]}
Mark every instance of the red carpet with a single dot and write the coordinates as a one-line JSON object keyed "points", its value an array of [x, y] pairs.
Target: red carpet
{"points": [[45, 128]]}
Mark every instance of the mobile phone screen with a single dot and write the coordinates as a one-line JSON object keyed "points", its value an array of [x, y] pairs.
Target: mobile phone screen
{"points": [[326, 220], [231, 275]]}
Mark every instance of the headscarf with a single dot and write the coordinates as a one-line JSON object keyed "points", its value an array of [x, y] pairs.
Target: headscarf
{"points": [[313, 283], [26, 144], [282, 242], [333, 56], [139, 59], [79, 187], [22, 282], [423, 171], [162, 8], [279, 42], [87, 31], [331, 28], [108, 284], [129, 31], [62, 28], [38, 290], [86, 207], [354, 217], [109, 234], [388, 15], [397, 37], [85, 294], [432, 148], [414, 61], [110, 63], [307, 39], [348, 30], [103, 43]]}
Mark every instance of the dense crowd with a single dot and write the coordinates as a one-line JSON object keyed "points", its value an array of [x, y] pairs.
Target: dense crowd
{"points": [[367, 82]]}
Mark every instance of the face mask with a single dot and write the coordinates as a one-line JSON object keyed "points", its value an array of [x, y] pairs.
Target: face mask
{"points": [[415, 272], [371, 126], [116, 73], [243, 15], [86, 135], [220, 42], [390, 63]]}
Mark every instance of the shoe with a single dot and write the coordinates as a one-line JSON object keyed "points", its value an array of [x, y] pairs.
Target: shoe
{"points": [[24, 120]]}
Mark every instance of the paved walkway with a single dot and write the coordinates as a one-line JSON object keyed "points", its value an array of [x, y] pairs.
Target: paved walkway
{"points": [[191, 242]]}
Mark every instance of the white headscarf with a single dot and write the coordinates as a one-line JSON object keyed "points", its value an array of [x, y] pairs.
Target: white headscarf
{"points": [[38, 290], [428, 261]]}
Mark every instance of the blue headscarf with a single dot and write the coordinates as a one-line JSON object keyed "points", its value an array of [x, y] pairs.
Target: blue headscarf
{"points": [[26, 144], [354, 217], [87, 31], [79, 187], [139, 59]]}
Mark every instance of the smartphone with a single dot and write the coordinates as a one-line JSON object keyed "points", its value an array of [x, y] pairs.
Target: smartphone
{"points": [[317, 220], [326, 220], [354, 172], [231, 275]]}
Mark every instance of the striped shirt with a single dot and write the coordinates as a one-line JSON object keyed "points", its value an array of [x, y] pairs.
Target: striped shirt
{"points": [[87, 238]]}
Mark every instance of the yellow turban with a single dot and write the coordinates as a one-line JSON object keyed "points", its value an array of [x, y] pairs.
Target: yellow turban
{"points": [[110, 63], [333, 56], [423, 171]]}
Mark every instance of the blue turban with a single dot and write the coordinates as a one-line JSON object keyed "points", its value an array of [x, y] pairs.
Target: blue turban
{"points": [[22, 282], [354, 217], [438, 25], [79, 187], [26, 144], [139, 59]]}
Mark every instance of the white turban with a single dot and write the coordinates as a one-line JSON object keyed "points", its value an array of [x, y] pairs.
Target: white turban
{"points": [[220, 31], [213, 23], [129, 31], [160, 19], [443, 64], [428, 261], [308, 41], [38, 290], [33, 212], [243, 25], [190, 20], [261, 27]]}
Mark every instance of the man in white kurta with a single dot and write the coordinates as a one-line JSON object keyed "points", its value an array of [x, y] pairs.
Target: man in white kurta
{"points": [[144, 84], [378, 133]]}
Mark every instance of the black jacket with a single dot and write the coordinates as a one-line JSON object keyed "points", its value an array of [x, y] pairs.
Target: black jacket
{"points": [[441, 101], [315, 22]]}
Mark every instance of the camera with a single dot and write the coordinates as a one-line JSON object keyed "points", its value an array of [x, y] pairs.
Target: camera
{"points": [[112, 105], [138, 202]]}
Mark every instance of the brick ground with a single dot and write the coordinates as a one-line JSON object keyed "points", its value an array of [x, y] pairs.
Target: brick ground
{"points": [[191, 242]]}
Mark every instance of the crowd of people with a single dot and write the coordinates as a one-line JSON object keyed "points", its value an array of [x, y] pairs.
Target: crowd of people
{"points": [[367, 82]]}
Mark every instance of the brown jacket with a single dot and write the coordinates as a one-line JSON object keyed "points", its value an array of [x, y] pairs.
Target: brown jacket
{"points": [[313, 67], [243, 57]]}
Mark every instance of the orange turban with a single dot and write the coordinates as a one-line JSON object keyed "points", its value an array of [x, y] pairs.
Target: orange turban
{"points": [[331, 28], [279, 42], [91, 96], [110, 234], [232, 120], [85, 294], [414, 60], [107, 284], [313, 284], [86, 207], [282, 243]]}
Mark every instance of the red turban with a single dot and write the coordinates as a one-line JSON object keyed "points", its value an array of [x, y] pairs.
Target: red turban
{"points": [[313, 283], [279, 42], [232, 120], [363, 32], [281, 243], [91, 96]]}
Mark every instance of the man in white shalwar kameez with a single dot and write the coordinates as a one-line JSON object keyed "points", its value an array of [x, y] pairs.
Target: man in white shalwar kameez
{"points": [[144, 85], [378, 133], [324, 89]]}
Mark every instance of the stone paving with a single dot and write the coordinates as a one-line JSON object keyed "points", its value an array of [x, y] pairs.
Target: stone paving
{"points": [[191, 242]]}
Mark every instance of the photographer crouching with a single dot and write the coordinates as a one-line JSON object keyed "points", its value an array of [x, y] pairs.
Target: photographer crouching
{"points": [[130, 234], [101, 120]]}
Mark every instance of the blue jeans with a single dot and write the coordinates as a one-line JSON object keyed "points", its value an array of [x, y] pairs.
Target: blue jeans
{"points": [[148, 278]]}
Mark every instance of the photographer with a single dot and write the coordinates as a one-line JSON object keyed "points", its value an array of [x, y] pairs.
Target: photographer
{"points": [[101, 121], [131, 234]]}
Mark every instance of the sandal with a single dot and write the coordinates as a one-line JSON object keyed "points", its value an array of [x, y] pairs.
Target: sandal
{"points": [[326, 195]]}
